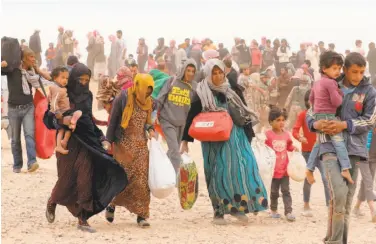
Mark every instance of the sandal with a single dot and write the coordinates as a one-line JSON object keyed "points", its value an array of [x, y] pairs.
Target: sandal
{"points": [[50, 211], [219, 219], [110, 214], [83, 225], [240, 217]]}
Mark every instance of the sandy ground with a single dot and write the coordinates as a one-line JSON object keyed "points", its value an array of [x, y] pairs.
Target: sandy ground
{"points": [[24, 198]]}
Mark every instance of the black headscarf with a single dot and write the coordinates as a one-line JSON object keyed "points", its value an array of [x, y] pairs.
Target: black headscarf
{"points": [[76, 91]]}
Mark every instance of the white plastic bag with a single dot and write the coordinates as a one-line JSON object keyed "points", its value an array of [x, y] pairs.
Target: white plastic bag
{"points": [[297, 167], [265, 157], [162, 177]]}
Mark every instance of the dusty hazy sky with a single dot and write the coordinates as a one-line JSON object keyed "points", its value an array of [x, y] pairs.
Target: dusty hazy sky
{"points": [[338, 21]]}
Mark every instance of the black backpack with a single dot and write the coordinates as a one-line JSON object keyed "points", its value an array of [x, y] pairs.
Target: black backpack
{"points": [[11, 53]]}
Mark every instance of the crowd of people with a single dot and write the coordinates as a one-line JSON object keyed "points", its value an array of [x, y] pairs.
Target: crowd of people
{"points": [[321, 98]]}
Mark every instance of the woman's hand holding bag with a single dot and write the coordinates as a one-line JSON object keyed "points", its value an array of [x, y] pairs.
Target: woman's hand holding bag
{"points": [[162, 177]]}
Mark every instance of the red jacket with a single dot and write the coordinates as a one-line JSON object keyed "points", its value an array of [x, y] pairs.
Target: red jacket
{"points": [[311, 137], [256, 56]]}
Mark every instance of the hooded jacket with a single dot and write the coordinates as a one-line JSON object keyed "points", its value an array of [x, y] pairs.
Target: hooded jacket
{"points": [[358, 109], [175, 98]]}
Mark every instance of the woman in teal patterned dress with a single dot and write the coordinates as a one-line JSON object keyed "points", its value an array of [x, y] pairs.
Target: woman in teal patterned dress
{"points": [[232, 176]]}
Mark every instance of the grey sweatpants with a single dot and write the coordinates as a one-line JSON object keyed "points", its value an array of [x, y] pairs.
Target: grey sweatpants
{"points": [[173, 135], [341, 198], [367, 170]]}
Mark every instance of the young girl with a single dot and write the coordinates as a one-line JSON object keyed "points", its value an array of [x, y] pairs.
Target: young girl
{"points": [[60, 106], [326, 97], [280, 141]]}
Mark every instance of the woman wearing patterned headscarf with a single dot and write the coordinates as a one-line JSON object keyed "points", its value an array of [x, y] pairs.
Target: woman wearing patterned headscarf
{"points": [[130, 117]]}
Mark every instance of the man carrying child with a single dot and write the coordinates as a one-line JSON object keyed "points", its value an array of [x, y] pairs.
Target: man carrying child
{"points": [[357, 116]]}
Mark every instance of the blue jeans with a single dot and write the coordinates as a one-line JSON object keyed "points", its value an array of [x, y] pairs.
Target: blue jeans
{"points": [[307, 186], [22, 116], [338, 143]]}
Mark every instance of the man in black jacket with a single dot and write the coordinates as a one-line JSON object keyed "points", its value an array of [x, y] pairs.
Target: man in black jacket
{"points": [[35, 45]]}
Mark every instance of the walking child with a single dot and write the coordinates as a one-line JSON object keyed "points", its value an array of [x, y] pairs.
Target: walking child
{"points": [[326, 97], [280, 141], [308, 139], [60, 106]]}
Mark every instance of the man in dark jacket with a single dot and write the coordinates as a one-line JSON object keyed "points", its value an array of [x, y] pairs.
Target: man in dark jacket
{"points": [[357, 117], [223, 52], [35, 45], [231, 74]]}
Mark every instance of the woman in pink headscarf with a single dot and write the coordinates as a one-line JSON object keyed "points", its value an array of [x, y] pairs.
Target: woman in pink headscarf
{"points": [[124, 78], [170, 57]]}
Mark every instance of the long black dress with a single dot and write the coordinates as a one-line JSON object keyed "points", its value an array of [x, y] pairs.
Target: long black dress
{"points": [[88, 177]]}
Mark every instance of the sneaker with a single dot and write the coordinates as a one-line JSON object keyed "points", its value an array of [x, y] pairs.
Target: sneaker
{"points": [[357, 212], [274, 215], [307, 213], [17, 171], [33, 167], [290, 217]]}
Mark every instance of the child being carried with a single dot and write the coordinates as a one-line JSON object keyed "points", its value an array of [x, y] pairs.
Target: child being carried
{"points": [[326, 97], [60, 106]]}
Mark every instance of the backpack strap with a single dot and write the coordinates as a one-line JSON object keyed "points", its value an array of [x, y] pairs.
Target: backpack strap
{"points": [[44, 92]]}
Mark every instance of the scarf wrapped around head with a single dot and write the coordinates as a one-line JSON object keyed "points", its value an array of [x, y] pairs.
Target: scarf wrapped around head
{"points": [[138, 94], [124, 78], [112, 38], [206, 87], [76, 91]]}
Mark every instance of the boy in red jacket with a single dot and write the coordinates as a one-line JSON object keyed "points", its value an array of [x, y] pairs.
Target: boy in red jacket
{"points": [[307, 140]]}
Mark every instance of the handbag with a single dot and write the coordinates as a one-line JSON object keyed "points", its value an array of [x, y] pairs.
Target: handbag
{"points": [[235, 114], [211, 126]]}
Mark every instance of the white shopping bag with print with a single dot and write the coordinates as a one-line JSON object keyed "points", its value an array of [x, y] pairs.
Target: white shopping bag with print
{"points": [[297, 167], [265, 157], [162, 177]]}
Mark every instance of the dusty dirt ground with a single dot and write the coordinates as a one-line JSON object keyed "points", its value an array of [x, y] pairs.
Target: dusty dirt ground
{"points": [[24, 198]]}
